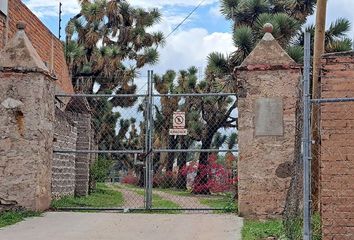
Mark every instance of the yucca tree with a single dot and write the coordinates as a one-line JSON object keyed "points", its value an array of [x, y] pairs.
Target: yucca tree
{"points": [[163, 85], [215, 112], [336, 39], [287, 17], [107, 43], [249, 16], [103, 37]]}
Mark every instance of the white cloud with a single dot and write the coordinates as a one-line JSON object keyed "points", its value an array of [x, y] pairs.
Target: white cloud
{"points": [[162, 3], [51, 7], [214, 11], [191, 48]]}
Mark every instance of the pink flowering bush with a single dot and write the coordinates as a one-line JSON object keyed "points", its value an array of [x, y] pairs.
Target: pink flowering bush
{"points": [[130, 179], [210, 178]]}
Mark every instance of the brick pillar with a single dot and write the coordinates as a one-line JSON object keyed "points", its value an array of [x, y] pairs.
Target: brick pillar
{"points": [[337, 147], [26, 126], [79, 111], [268, 82]]}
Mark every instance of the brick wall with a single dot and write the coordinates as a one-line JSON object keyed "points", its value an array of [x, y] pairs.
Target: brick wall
{"points": [[49, 48], [2, 29], [337, 148], [82, 160], [63, 168]]}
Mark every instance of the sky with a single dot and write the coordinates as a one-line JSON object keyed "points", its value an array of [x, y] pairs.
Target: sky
{"points": [[204, 32]]}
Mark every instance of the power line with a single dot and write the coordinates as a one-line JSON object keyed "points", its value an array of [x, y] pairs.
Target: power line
{"points": [[185, 19]]}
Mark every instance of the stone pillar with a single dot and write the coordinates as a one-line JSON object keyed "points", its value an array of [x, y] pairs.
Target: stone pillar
{"points": [[26, 126], [268, 81]]}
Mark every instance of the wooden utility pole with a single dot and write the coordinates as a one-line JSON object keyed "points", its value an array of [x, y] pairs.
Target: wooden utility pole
{"points": [[319, 49]]}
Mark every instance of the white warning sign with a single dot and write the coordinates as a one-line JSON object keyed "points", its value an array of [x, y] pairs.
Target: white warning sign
{"points": [[179, 124], [179, 120]]}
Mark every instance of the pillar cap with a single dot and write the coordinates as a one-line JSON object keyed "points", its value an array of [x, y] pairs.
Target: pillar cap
{"points": [[268, 28], [21, 25]]}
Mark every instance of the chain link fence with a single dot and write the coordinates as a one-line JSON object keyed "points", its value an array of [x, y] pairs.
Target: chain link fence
{"points": [[320, 199], [158, 151]]}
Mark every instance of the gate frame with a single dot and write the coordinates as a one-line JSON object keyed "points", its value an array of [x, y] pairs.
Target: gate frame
{"points": [[149, 149]]}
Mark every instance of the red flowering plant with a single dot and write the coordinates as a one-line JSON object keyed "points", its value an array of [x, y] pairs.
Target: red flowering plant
{"points": [[210, 178], [130, 179]]}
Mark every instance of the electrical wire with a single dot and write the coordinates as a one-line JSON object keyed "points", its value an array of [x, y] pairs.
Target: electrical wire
{"points": [[185, 19]]}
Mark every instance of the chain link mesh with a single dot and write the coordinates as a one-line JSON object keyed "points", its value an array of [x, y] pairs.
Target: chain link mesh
{"points": [[195, 171]]}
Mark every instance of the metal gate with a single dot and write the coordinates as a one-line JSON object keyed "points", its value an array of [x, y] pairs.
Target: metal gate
{"points": [[168, 151]]}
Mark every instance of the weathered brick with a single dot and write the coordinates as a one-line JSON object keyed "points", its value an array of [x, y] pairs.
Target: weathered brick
{"points": [[337, 151]]}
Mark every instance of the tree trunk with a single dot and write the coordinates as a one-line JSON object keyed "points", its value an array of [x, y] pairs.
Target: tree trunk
{"points": [[141, 173], [200, 185], [182, 163], [165, 144], [171, 155]]}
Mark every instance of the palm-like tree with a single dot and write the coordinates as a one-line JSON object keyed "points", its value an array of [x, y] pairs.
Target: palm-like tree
{"points": [[215, 112], [110, 33], [102, 39], [168, 105], [287, 17], [336, 39], [249, 16]]}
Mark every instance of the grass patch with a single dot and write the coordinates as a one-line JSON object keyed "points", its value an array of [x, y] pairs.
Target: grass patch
{"points": [[104, 196], [12, 217], [159, 202], [256, 230], [176, 192], [226, 203]]}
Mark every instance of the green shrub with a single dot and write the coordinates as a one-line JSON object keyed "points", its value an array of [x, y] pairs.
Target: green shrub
{"points": [[100, 169]]}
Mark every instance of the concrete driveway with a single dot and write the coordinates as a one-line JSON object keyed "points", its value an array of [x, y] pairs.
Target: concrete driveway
{"points": [[113, 226]]}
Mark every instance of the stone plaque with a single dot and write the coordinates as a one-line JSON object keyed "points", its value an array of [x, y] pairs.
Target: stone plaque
{"points": [[269, 117]]}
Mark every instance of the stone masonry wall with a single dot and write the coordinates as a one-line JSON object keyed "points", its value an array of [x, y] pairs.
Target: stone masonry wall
{"points": [[26, 135], [264, 163], [65, 137], [267, 83], [49, 48], [337, 148]]}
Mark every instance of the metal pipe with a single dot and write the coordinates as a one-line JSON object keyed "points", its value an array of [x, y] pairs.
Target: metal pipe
{"points": [[193, 150], [306, 140], [194, 95], [101, 95], [331, 100], [134, 209], [150, 136], [153, 95], [101, 151]]}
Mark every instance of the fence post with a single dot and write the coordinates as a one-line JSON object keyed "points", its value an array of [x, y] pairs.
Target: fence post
{"points": [[148, 144], [151, 127], [147, 175], [307, 140]]}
